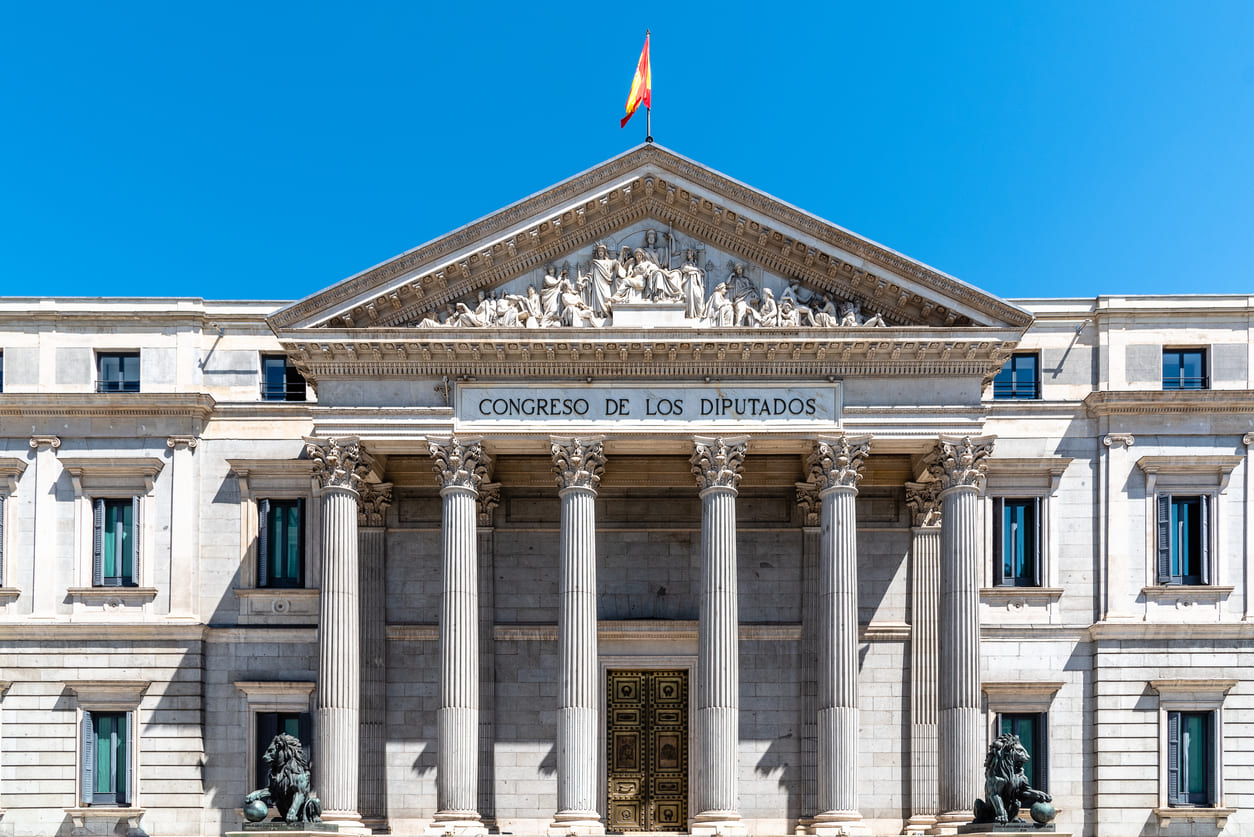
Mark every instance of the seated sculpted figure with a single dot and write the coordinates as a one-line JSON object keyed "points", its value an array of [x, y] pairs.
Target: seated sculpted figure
{"points": [[1005, 784]]}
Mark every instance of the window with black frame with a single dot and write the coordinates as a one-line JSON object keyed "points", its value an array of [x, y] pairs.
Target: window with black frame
{"points": [[1185, 369], [1019, 378], [117, 372], [280, 380]]}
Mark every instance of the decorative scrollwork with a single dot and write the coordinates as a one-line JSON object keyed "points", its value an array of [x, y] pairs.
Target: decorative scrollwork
{"points": [[459, 464], [578, 463], [923, 498], [717, 462], [961, 461], [338, 463], [836, 461]]}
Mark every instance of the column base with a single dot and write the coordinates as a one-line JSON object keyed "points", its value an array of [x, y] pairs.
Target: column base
{"points": [[839, 824], [456, 824], [919, 824], [576, 824], [346, 822], [948, 822], [803, 826], [718, 824]]}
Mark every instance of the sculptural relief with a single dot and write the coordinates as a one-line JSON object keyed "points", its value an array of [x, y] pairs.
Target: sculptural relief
{"points": [[660, 268]]}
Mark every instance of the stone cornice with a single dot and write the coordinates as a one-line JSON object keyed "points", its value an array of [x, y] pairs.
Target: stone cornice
{"points": [[11, 469], [1156, 402], [648, 353], [106, 405], [649, 181]]}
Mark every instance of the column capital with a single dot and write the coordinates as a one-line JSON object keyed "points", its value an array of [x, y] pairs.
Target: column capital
{"points": [[836, 461], [960, 461], [578, 463], [372, 503], [923, 498], [52, 442], [176, 442], [1114, 440], [489, 499], [717, 462], [338, 463], [1247, 439], [459, 464], [809, 502]]}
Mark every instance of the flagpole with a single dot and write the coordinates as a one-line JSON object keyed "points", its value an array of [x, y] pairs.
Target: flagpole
{"points": [[648, 124]]}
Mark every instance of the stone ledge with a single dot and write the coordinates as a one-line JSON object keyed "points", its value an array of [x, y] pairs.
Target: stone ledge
{"points": [[113, 596], [1186, 594], [1006, 596], [1219, 815]]}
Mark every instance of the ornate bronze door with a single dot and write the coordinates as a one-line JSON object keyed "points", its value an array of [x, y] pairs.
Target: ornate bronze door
{"points": [[647, 750]]}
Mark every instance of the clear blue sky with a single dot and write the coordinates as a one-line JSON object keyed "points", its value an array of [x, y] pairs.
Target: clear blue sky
{"points": [[268, 150]]}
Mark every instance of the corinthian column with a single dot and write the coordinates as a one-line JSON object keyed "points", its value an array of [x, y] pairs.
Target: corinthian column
{"points": [[924, 502], [372, 554], [339, 465], [461, 468], [959, 464], [578, 465], [835, 466], [717, 464]]}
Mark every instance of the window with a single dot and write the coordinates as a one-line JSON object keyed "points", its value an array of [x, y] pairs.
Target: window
{"points": [[281, 543], [117, 372], [1031, 729], [107, 771], [1, 371], [270, 724], [280, 380], [115, 548], [1190, 758], [1019, 377], [1185, 369], [1017, 542], [1183, 539]]}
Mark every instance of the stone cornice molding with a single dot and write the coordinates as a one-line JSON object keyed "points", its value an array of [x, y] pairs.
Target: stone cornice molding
{"points": [[103, 473], [11, 469], [262, 474], [578, 463], [836, 461], [337, 463], [373, 500], [717, 462], [1213, 470], [108, 694], [923, 498], [649, 353], [1028, 470], [1202, 689], [458, 463], [1170, 402], [261, 691], [648, 181], [1115, 440], [961, 462], [145, 405]]}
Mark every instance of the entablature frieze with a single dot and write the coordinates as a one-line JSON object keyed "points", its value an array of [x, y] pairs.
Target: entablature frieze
{"points": [[649, 353]]}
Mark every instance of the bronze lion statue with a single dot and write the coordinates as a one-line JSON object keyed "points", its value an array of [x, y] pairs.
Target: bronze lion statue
{"points": [[288, 790], [1005, 785]]}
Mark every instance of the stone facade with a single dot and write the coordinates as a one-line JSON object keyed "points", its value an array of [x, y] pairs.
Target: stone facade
{"points": [[801, 517]]}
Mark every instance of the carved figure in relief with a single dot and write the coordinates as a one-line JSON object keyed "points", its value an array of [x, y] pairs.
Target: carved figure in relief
{"points": [[826, 315], [603, 273], [720, 311], [692, 283], [768, 311], [743, 295], [805, 314], [651, 250], [851, 316], [551, 296], [875, 321]]}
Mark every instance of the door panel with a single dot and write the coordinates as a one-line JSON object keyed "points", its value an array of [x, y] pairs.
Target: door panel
{"points": [[647, 750]]}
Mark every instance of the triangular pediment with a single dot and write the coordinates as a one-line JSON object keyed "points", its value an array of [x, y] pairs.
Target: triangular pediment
{"points": [[684, 246]]}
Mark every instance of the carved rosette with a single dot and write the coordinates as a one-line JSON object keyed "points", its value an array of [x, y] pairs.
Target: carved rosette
{"points": [[578, 463], [338, 463], [960, 462], [373, 502], [809, 502], [923, 498], [716, 463], [836, 461], [489, 499], [459, 464]]}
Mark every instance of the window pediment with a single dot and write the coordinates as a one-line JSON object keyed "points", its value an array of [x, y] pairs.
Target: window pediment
{"points": [[125, 475], [1181, 472]]}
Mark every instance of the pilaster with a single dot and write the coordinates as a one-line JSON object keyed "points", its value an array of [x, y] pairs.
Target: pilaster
{"points": [[1117, 457], [835, 467], [578, 465], [924, 502], [461, 468], [184, 575], [1248, 558], [339, 466], [44, 585], [372, 555], [717, 464]]}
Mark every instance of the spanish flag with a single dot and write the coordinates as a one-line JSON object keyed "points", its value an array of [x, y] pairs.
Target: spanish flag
{"points": [[641, 84]]}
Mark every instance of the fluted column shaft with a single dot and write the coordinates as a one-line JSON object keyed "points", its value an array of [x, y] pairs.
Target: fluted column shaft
{"points": [[960, 731], [924, 502], [717, 464], [577, 464], [461, 468], [372, 558], [339, 465]]}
